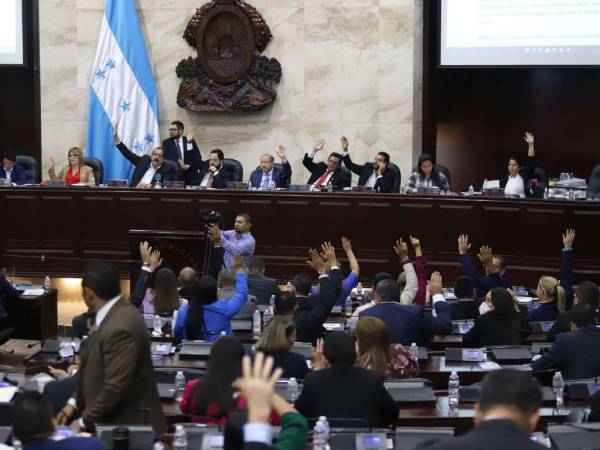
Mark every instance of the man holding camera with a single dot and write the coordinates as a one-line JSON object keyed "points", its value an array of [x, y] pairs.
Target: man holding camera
{"points": [[236, 241]]}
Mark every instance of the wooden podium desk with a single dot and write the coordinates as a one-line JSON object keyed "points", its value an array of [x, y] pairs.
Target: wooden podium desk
{"points": [[54, 230]]}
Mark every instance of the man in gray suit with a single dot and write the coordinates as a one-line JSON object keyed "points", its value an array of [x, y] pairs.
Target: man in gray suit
{"points": [[116, 380], [259, 285]]}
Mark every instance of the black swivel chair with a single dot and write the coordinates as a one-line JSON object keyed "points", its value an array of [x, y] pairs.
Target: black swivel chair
{"points": [[98, 168], [594, 183], [175, 167], [397, 177], [347, 175], [236, 167], [32, 168]]}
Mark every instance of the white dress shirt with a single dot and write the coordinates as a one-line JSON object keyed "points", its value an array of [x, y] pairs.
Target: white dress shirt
{"points": [[102, 312], [266, 176], [8, 175], [372, 179], [515, 186], [148, 176]]}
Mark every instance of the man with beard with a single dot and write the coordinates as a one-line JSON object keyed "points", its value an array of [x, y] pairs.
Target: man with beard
{"points": [[376, 175]]}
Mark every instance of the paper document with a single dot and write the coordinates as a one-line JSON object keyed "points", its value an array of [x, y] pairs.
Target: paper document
{"points": [[491, 184], [33, 292]]}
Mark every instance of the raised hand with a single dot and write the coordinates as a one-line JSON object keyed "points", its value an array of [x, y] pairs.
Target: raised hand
{"points": [[529, 138], [319, 145], [155, 260], [415, 242], [189, 137], [434, 285], [116, 134], [281, 152], [463, 244], [344, 142], [568, 237], [317, 357], [315, 261], [401, 250], [329, 253], [145, 252], [346, 244], [485, 255]]}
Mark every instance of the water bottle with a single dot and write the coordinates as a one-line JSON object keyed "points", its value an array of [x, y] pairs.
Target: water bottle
{"points": [[157, 324], [180, 438], [16, 444], [47, 283], [471, 190], [173, 320], [256, 324], [327, 430], [319, 442], [272, 304], [348, 306], [558, 386], [414, 353], [289, 286], [179, 386], [453, 386], [359, 293], [158, 446], [266, 316], [292, 390]]}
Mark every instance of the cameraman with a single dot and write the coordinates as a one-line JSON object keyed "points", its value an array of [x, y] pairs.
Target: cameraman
{"points": [[236, 241]]}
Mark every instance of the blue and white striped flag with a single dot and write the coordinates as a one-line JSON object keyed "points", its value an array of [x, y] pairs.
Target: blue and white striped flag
{"points": [[122, 91]]}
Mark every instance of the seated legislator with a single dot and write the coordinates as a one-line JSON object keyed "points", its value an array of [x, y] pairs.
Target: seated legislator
{"points": [[501, 325], [551, 297], [267, 176], [519, 181], [309, 313], [213, 174], [276, 340], [12, 172], [184, 151], [206, 316], [342, 391], [75, 172], [226, 284], [376, 352], [374, 174], [408, 323], [495, 267], [259, 285], [427, 176], [465, 306], [34, 426], [505, 417], [323, 174], [587, 293], [577, 353], [150, 170]]}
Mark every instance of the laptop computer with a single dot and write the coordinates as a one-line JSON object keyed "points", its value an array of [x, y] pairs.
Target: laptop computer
{"points": [[541, 327]]}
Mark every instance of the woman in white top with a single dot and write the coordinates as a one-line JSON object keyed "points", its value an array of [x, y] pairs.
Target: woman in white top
{"points": [[520, 180]]}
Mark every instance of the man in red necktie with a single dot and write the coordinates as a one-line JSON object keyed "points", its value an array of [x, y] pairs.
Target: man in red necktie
{"points": [[325, 173]]}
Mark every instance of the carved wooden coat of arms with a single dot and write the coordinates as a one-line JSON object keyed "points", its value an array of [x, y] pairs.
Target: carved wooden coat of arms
{"points": [[229, 73]]}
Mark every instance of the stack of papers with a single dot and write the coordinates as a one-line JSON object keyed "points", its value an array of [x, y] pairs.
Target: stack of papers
{"points": [[35, 292], [7, 392]]}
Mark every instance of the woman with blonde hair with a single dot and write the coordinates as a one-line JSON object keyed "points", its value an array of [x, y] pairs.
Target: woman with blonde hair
{"points": [[75, 171], [376, 352], [552, 298], [276, 340]]}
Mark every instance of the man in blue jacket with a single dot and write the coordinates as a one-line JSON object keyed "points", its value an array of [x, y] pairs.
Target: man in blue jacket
{"points": [[408, 323], [267, 176], [575, 354], [11, 171]]}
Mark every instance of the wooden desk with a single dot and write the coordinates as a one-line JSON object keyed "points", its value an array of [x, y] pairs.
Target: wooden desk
{"points": [[57, 228], [35, 317]]}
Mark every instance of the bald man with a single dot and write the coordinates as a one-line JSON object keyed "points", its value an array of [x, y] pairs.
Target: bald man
{"points": [[187, 275], [267, 176]]}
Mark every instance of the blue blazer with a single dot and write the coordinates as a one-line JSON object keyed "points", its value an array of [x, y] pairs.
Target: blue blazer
{"points": [[576, 354], [408, 323], [19, 177], [280, 175], [74, 443]]}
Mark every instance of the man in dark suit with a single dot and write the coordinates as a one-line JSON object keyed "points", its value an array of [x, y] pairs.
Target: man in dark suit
{"points": [[465, 307], [505, 417], [408, 323], [11, 171], [150, 170], [375, 175], [587, 293], [184, 151], [343, 391], [575, 354], [259, 285], [267, 176], [116, 383], [213, 174], [311, 312], [322, 173]]}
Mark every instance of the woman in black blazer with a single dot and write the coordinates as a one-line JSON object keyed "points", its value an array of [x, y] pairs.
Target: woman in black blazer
{"points": [[502, 325]]}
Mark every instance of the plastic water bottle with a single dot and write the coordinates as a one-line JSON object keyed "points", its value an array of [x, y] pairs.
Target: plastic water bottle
{"points": [[180, 438], [327, 431], [558, 386], [348, 306], [453, 386], [471, 190], [47, 283], [289, 286], [256, 324], [179, 386], [414, 353], [173, 320], [292, 390], [16, 444], [319, 438], [272, 304], [359, 293], [157, 324], [266, 316], [158, 446]]}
